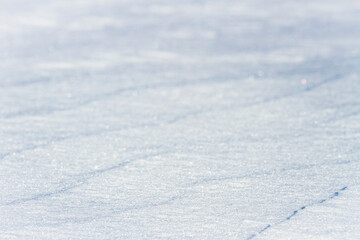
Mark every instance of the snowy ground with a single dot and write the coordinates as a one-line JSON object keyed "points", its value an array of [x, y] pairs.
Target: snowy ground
{"points": [[194, 119]]}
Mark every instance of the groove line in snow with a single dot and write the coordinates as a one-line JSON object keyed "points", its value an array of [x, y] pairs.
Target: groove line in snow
{"points": [[47, 111], [83, 179], [179, 117]]}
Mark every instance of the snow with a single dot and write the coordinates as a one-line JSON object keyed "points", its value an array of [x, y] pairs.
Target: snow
{"points": [[179, 119]]}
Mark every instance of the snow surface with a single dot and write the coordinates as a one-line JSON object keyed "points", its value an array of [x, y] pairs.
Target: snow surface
{"points": [[193, 119]]}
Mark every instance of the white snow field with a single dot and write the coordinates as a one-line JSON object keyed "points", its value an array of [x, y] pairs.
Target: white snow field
{"points": [[192, 119]]}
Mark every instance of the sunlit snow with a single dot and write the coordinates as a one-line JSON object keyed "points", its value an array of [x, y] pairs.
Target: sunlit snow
{"points": [[194, 119]]}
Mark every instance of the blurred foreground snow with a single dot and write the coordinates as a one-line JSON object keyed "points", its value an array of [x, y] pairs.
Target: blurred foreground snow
{"points": [[179, 119]]}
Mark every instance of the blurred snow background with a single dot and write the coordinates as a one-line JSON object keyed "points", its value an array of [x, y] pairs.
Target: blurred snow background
{"points": [[179, 119]]}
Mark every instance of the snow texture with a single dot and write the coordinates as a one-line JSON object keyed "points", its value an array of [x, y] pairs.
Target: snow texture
{"points": [[194, 119]]}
